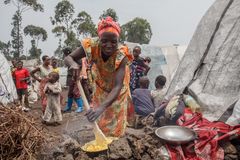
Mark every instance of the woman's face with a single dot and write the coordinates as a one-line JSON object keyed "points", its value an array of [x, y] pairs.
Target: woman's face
{"points": [[109, 43], [47, 61]]}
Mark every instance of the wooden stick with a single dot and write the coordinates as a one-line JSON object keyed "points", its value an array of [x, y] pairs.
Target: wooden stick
{"points": [[97, 130]]}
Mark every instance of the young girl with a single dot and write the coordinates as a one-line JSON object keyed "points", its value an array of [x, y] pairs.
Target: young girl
{"points": [[53, 89]]}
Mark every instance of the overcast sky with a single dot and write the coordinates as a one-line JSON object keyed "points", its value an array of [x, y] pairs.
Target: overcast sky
{"points": [[172, 21]]}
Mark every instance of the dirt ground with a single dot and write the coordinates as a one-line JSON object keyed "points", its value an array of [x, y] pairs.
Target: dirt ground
{"points": [[71, 121], [75, 131]]}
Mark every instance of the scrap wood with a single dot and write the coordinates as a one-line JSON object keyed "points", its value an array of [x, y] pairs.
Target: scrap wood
{"points": [[20, 136]]}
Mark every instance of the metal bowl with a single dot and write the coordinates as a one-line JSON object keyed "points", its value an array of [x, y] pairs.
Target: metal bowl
{"points": [[176, 134]]}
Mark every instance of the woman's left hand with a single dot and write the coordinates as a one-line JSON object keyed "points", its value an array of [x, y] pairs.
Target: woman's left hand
{"points": [[92, 115]]}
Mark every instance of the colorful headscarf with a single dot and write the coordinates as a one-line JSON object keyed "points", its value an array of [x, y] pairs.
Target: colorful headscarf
{"points": [[108, 25]]}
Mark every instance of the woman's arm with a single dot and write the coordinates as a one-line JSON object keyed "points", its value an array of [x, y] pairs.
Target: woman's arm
{"points": [[112, 96], [71, 60], [32, 73], [45, 89]]}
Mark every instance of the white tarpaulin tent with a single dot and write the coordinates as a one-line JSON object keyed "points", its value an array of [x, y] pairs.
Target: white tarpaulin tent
{"points": [[7, 87]]}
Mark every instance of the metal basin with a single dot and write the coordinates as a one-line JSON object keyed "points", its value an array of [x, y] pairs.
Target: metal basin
{"points": [[175, 134]]}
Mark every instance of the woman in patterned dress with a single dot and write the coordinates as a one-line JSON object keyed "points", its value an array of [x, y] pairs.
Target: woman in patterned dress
{"points": [[109, 75]]}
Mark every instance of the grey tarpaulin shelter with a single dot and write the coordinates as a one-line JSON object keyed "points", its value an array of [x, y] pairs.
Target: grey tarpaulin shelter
{"points": [[210, 67]]}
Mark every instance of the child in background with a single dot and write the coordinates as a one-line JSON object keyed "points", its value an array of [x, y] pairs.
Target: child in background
{"points": [[158, 94], [142, 98], [147, 60], [55, 68], [21, 76], [54, 64], [53, 89]]}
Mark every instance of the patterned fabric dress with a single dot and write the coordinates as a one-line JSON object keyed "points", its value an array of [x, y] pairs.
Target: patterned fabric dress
{"points": [[44, 74], [113, 121]]}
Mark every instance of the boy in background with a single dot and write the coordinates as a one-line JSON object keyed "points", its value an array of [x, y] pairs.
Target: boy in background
{"points": [[21, 76], [159, 92], [53, 89], [147, 60], [142, 98]]}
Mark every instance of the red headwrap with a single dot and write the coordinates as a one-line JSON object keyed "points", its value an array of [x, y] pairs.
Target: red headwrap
{"points": [[108, 25]]}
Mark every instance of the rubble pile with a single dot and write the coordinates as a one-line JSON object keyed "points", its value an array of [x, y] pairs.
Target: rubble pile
{"points": [[137, 144]]}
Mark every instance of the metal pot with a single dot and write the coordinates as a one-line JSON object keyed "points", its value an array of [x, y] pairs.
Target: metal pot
{"points": [[176, 135]]}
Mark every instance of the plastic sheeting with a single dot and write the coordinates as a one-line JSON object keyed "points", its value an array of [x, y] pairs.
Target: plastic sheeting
{"points": [[209, 69], [7, 87], [234, 119]]}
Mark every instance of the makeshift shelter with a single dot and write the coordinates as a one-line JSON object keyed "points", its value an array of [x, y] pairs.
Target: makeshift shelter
{"points": [[7, 87], [209, 69]]}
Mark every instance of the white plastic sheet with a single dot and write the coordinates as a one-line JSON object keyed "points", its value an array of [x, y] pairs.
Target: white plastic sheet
{"points": [[7, 87]]}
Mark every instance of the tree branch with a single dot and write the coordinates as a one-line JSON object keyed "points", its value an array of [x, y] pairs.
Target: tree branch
{"points": [[14, 3], [26, 9], [37, 42]]}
